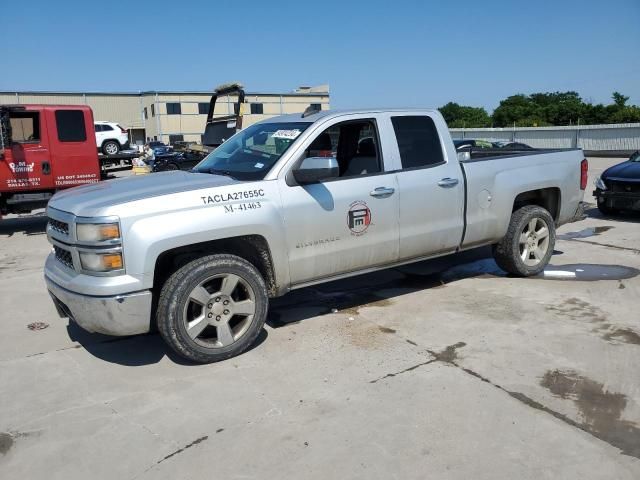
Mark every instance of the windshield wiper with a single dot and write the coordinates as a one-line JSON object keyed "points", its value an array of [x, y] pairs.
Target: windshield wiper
{"points": [[226, 173]]}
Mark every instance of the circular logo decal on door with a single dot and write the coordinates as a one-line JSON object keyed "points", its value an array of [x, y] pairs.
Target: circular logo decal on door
{"points": [[358, 217]]}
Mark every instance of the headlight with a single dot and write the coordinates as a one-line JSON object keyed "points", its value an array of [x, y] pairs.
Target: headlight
{"points": [[600, 184], [101, 262], [97, 232]]}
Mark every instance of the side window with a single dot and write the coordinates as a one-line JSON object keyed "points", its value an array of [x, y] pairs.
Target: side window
{"points": [[70, 126], [25, 126], [257, 108], [203, 108], [98, 128], [107, 128], [418, 141], [173, 109], [353, 144], [153, 110], [146, 114]]}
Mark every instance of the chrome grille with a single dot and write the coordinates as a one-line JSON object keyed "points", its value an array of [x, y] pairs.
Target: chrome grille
{"points": [[63, 256], [58, 226]]}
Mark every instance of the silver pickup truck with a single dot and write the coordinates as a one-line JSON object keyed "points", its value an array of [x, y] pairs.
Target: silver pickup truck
{"points": [[290, 202]]}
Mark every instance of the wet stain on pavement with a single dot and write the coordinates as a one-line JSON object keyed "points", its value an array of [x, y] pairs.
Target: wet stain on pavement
{"points": [[601, 410], [449, 354], [6, 442], [577, 309], [587, 272], [625, 335], [584, 233], [386, 330], [580, 310]]}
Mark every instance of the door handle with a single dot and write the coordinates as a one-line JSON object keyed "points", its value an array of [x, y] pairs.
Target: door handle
{"points": [[46, 168], [382, 192], [448, 182]]}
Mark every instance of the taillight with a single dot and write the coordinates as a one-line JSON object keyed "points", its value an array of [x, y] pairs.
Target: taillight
{"points": [[584, 173]]}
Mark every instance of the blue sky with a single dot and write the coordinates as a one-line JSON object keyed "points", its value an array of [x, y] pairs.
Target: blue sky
{"points": [[372, 53]]}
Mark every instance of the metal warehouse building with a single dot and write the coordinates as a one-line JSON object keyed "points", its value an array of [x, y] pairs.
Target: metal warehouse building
{"points": [[173, 116]]}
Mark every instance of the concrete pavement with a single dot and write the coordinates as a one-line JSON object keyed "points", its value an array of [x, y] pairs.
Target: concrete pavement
{"points": [[446, 369]]}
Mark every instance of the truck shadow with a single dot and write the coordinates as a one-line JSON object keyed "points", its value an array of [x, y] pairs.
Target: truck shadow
{"points": [[32, 224], [626, 216], [133, 351], [379, 288]]}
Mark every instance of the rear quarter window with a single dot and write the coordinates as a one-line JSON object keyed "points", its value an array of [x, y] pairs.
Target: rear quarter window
{"points": [[70, 125], [418, 141]]}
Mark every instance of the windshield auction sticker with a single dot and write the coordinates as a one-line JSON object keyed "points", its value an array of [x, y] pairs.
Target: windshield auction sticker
{"points": [[286, 134]]}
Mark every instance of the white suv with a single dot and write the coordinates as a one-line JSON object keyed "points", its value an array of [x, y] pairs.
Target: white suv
{"points": [[111, 137]]}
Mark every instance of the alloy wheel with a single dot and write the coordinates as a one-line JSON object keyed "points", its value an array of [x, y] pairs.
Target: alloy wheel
{"points": [[219, 310]]}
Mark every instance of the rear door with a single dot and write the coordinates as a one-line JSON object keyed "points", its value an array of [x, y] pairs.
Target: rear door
{"points": [[348, 223], [73, 146], [27, 163], [431, 188]]}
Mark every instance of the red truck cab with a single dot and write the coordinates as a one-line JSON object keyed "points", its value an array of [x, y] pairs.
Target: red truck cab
{"points": [[44, 148]]}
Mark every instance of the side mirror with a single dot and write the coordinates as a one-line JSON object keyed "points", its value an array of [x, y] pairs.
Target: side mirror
{"points": [[316, 169]]}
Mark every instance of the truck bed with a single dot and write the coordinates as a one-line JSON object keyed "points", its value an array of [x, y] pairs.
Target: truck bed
{"points": [[481, 154], [493, 178]]}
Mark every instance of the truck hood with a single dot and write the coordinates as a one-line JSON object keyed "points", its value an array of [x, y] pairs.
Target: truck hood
{"points": [[88, 200], [628, 170]]}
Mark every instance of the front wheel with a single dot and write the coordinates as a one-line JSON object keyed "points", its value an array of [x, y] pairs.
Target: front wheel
{"points": [[213, 308], [528, 244]]}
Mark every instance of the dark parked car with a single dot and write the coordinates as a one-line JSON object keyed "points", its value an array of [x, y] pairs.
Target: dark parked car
{"points": [[471, 143], [618, 188], [512, 145], [176, 161]]}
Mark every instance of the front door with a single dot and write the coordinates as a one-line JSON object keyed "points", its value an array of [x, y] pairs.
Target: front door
{"points": [[73, 148], [348, 223], [27, 163]]}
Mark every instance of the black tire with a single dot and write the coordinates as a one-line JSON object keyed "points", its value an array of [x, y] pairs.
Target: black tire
{"points": [[176, 300], [507, 252], [110, 147], [172, 166]]}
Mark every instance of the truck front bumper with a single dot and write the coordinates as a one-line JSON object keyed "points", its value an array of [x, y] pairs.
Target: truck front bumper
{"points": [[618, 200], [119, 315]]}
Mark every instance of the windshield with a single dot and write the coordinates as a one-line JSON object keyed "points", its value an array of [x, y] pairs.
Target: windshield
{"points": [[251, 153]]}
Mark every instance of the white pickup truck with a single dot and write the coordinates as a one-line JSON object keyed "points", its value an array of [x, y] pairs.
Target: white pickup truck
{"points": [[289, 202]]}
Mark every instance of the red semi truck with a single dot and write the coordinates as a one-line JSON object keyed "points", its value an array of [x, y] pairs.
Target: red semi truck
{"points": [[44, 148]]}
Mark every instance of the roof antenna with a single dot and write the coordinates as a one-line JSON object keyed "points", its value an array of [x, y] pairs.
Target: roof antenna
{"points": [[311, 109]]}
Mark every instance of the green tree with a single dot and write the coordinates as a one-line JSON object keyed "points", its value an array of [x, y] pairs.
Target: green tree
{"points": [[517, 109], [461, 116], [619, 99]]}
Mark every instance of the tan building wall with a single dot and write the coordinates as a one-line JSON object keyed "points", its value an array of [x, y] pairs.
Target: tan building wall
{"points": [[146, 112]]}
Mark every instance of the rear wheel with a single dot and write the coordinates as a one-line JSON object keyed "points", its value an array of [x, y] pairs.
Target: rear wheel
{"points": [[528, 244], [213, 308], [110, 147], [172, 166]]}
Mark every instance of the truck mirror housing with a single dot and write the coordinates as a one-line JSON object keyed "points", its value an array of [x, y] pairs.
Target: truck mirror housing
{"points": [[316, 169], [464, 156]]}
